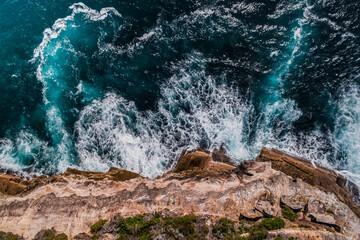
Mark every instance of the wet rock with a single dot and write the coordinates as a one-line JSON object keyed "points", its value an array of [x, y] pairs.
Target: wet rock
{"points": [[243, 168], [219, 155], [193, 160]]}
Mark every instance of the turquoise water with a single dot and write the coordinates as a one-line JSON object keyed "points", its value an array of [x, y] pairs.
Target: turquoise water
{"points": [[130, 84]]}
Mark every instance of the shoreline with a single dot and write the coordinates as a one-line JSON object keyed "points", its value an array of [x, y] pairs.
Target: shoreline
{"points": [[252, 191]]}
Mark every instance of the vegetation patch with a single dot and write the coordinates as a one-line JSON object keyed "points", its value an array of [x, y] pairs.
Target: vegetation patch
{"points": [[50, 234], [96, 227], [289, 214], [257, 232], [330, 211], [136, 226], [188, 227], [185, 225], [9, 236], [224, 226], [273, 223]]}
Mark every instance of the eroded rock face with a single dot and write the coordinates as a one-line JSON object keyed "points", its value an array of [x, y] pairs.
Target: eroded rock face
{"points": [[11, 185], [319, 177], [70, 203]]}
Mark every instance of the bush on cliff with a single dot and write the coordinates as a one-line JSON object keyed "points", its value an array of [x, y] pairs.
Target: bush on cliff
{"points": [[136, 226], [289, 214], [50, 234], [224, 226], [185, 225], [97, 226], [9, 236], [273, 223]]}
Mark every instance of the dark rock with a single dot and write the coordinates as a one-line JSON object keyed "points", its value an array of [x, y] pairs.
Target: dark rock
{"points": [[243, 168], [82, 236], [219, 155]]}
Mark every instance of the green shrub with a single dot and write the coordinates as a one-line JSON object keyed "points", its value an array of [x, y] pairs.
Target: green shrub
{"points": [[136, 226], [205, 229], [96, 227], [61, 236], [157, 215], [330, 211], [257, 232], [289, 214], [184, 224], [273, 223], [224, 225], [278, 238]]}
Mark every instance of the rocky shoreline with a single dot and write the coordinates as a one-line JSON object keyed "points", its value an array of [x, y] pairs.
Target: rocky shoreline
{"points": [[277, 196]]}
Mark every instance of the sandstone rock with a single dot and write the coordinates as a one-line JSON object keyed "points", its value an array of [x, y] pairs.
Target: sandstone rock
{"points": [[250, 215], [75, 200], [115, 174], [11, 185], [319, 177], [265, 208], [296, 203], [325, 219], [193, 160]]}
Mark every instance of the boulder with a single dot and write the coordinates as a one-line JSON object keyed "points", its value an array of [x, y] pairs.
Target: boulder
{"points": [[265, 208], [11, 185], [193, 160], [251, 215], [296, 203], [328, 220]]}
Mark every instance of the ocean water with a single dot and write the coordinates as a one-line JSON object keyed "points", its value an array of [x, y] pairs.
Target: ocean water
{"points": [[130, 84]]}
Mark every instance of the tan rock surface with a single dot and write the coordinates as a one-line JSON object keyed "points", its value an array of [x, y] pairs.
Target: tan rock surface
{"points": [[319, 177], [73, 201]]}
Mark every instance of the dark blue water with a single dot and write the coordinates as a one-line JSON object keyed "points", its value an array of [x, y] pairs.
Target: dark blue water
{"points": [[95, 84]]}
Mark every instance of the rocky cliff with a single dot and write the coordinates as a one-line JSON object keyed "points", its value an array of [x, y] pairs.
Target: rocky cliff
{"points": [[276, 196]]}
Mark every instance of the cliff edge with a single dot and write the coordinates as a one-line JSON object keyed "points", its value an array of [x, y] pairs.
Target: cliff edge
{"points": [[279, 194]]}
